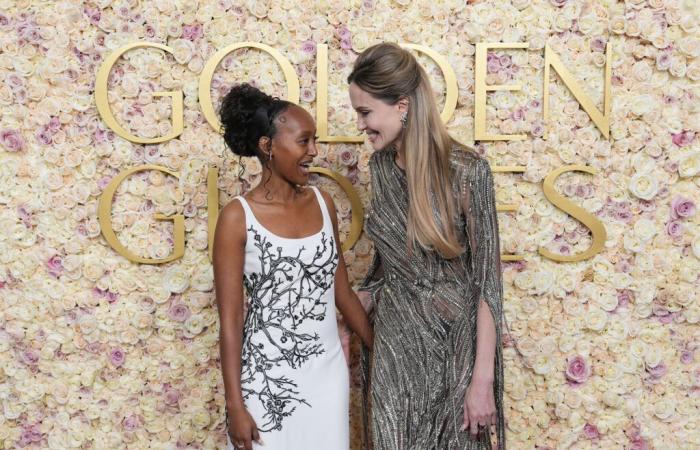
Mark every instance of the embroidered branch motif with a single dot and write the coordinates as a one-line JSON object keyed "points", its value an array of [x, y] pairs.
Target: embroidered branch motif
{"points": [[283, 298]]}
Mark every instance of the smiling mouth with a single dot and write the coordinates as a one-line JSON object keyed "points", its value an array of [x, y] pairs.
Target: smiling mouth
{"points": [[304, 167], [372, 135]]}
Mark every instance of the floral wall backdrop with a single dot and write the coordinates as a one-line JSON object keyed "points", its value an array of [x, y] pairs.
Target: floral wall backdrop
{"points": [[97, 352]]}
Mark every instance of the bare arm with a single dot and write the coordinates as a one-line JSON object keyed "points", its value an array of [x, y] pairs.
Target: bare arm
{"points": [[345, 298], [481, 396], [485, 345], [229, 259]]}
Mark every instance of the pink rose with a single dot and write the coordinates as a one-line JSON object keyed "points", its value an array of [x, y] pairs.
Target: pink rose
{"points": [[591, 431], [674, 228], [624, 297], [172, 397], [131, 423], [179, 312], [117, 357], [12, 140], [30, 434], [55, 266], [657, 371], [598, 44], [683, 139], [663, 61], [687, 356], [348, 157], [344, 33], [43, 136], [29, 357], [682, 207], [308, 47], [577, 371], [192, 32]]}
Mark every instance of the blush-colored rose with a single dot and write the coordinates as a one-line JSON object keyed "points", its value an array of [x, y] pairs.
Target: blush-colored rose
{"points": [[674, 228], [591, 431], [682, 207], [179, 312], [577, 370], [12, 140], [117, 357], [55, 266]]}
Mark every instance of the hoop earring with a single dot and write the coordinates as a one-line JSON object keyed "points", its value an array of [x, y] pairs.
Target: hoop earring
{"points": [[404, 119]]}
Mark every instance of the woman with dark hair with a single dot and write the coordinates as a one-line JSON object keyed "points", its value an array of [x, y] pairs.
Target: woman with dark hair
{"points": [[436, 378], [285, 373]]}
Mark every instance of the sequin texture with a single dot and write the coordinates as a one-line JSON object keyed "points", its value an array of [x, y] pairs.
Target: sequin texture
{"points": [[425, 313]]}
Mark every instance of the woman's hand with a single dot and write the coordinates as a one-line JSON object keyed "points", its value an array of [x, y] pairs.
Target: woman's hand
{"points": [[479, 406], [242, 429]]}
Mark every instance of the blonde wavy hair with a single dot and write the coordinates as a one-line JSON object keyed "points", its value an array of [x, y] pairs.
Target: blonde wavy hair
{"points": [[389, 73]]}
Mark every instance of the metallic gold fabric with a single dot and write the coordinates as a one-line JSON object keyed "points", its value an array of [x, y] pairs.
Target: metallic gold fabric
{"points": [[425, 313]]}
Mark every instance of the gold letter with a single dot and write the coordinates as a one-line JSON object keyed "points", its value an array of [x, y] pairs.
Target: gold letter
{"points": [[450, 79], [212, 206], [355, 205], [208, 73], [596, 226], [480, 89], [602, 121], [322, 99], [102, 100], [104, 214], [509, 206]]}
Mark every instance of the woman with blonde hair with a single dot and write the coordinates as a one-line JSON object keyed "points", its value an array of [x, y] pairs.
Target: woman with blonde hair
{"points": [[436, 378]]}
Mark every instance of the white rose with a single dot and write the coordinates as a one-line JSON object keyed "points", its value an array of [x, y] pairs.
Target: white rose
{"points": [[642, 104], [644, 186], [543, 282], [543, 363], [596, 319], [645, 229], [696, 246], [665, 409], [204, 279], [690, 165], [176, 280], [183, 50]]}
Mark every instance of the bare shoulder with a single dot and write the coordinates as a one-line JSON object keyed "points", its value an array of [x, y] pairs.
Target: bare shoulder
{"points": [[231, 219], [329, 200]]}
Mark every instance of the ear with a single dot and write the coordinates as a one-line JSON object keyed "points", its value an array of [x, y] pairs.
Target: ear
{"points": [[265, 145], [402, 104]]}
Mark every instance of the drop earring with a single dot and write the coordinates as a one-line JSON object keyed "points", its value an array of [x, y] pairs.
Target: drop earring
{"points": [[404, 119]]}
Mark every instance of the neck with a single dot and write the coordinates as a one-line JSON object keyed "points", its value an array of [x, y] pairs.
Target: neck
{"points": [[280, 189], [400, 154]]}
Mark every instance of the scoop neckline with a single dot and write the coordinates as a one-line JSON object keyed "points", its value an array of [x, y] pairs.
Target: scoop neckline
{"points": [[277, 236]]}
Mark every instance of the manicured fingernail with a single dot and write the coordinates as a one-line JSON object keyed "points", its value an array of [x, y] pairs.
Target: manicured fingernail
{"points": [[464, 427]]}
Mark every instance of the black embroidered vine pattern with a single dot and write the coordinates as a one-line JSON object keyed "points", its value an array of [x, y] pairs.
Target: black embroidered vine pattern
{"points": [[277, 306]]}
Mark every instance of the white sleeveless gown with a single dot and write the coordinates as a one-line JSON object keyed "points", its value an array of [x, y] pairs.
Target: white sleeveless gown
{"points": [[294, 375]]}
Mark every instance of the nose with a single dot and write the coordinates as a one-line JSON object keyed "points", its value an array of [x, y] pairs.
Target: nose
{"points": [[312, 151], [361, 123]]}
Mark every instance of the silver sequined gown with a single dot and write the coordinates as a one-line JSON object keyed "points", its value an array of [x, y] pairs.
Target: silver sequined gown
{"points": [[425, 313]]}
